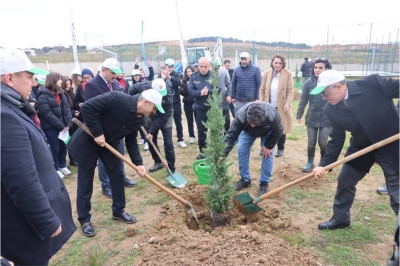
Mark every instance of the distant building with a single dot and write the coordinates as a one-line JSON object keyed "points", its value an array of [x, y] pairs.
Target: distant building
{"points": [[30, 52]]}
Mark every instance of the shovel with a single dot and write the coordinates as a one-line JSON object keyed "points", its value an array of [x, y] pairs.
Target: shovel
{"points": [[247, 205], [120, 156], [175, 179]]}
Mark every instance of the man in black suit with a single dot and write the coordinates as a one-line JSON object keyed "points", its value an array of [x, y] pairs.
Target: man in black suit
{"points": [[365, 108], [104, 82], [110, 117], [36, 216]]}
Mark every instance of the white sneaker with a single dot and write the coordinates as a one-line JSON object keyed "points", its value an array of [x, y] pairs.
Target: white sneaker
{"points": [[65, 171], [141, 142], [182, 144], [191, 140], [60, 174], [146, 146]]}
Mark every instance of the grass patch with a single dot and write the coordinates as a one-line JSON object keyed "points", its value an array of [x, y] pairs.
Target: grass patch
{"points": [[158, 199], [73, 255], [298, 239], [96, 256], [340, 255], [354, 236], [130, 258]]}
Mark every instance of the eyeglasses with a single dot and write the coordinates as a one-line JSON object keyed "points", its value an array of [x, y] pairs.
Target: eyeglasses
{"points": [[325, 93], [320, 59]]}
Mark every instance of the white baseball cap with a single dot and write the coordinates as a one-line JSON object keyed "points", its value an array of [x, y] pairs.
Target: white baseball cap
{"points": [[135, 72], [14, 60], [327, 78], [244, 55], [217, 61], [154, 97], [159, 85], [170, 62], [112, 64], [41, 79]]}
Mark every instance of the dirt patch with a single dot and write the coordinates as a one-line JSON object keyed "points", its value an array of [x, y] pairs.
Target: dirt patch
{"points": [[246, 241]]}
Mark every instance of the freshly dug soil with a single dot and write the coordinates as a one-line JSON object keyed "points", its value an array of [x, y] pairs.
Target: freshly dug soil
{"points": [[179, 240]]}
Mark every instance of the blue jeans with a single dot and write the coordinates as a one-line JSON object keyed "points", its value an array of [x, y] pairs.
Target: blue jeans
{"points": [[245, 142], [58, 148], [103, 177]]}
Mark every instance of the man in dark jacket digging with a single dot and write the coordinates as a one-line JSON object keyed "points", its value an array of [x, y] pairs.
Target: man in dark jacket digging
{"points": [[365, 108], [110, 117], [252, 121]]}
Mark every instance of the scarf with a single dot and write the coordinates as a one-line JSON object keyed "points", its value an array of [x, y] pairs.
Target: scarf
{"points": [[16, 99]]}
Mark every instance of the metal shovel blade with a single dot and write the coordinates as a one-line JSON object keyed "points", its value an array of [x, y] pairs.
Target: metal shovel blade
{"points": [[176, 179], [244, 203]]}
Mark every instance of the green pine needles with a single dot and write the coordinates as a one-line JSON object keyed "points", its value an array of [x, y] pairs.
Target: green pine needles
{"points": [[220, 189]]}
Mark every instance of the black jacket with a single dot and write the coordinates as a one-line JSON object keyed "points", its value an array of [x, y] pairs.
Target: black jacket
{"points": [[196, 83], [176, 82], [159, 120], [34, 201], [113, 114], [183, 89], [370, 116], [271, 124], [52, 114], [315, 116], [306, 69]]}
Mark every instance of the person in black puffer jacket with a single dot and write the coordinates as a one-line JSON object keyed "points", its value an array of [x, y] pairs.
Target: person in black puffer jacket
{"points": [[55, 116], [188, 101], [317, 121]]}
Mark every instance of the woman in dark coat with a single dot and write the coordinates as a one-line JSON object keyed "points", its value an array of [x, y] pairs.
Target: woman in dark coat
{"points": [[71, 97], [55, 116], [188, 101], [318, 126]]}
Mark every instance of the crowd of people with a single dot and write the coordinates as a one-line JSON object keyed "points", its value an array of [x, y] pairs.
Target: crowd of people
{"points": [[38, 107]]}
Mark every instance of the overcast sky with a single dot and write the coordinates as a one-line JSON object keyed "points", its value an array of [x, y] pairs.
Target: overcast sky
{"points": [[35, 24]]}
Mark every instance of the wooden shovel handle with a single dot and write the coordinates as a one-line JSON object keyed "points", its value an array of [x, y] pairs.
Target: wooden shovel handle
{"points": [[120, 156], [155, 148], [329, 167]]}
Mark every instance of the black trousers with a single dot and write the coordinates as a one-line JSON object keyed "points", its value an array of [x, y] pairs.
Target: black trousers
{"points": [[232, 108], [190, 114], [85, 191], [281, 142], [201, 116], [227, 119], [168, 146], [346, 188], [320, 133], [178, 120]]}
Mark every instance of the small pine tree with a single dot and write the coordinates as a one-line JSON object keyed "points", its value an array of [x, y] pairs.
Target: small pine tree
{"points": [[220, 189]]}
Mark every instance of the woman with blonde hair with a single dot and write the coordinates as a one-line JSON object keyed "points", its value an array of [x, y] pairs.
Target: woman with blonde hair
{"points": [[277, 89]]}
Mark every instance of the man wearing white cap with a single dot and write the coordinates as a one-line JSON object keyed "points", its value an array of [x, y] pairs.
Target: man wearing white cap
{"points": [[365, 108], [104, 82], [246, 82], [159, 121], [36, 216], [110, 117]]}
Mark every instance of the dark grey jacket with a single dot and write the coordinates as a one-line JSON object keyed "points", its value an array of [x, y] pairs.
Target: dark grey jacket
{"points": [[315, 116], [306, 69], [246, 83], [271, 124]]}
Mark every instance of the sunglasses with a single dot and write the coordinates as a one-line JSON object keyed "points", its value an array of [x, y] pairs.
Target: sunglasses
{"points": [[326, 93]]}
